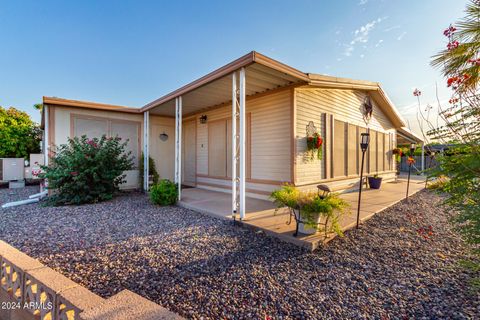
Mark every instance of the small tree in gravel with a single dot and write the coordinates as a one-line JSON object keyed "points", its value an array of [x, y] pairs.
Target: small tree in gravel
{"points": [[87, 170], [459, 122]]}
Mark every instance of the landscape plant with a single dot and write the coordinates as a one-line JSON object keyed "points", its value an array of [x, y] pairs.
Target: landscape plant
{"points": [[19, 135], [86, 170], [164, 193], [459, 122], [314, 146], [152, 169], [311, 205]]}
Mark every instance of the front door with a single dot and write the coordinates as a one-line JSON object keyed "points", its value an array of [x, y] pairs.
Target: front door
{"points": [[189, 153]]}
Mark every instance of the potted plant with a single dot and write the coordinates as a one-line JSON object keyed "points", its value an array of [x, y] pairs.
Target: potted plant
{"points": [[314, 146], [311, 211], [375, 182]]}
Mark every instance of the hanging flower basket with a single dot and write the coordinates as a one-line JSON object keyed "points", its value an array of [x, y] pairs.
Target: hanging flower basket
{"points": [[398, 154], [314, 146]]}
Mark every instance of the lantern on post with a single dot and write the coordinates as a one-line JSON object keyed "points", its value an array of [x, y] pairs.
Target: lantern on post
{"points": [[411, 161], [323, 191], [364, 141]]}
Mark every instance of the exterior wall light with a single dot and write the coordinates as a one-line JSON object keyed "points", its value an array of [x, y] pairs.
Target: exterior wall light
{"points": [[203, 119], [164, 136]]}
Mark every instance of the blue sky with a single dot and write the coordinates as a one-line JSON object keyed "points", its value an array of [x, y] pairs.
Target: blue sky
{"points": [[132, 52]]}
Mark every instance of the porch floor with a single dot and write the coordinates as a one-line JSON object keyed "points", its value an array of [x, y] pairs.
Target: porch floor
{"points": [[260, 214]]}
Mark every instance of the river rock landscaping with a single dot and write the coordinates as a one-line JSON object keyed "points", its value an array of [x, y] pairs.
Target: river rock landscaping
{"points": [[403, 263]]}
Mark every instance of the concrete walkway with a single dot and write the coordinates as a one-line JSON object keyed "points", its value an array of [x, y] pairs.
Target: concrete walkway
{"points": [[260, 214]]}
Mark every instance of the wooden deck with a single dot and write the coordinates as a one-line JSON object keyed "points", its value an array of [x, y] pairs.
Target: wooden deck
{"points": [[260, 214]]}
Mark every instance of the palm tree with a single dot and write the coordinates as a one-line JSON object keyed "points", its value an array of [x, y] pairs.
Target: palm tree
{"points": [[462, 54]]}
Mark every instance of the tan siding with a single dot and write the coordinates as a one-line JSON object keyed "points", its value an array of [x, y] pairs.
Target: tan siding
{"points": [[352, 149], [339, 151], [269, 120], [64, 127], [315, 104], [162, 152], [217, 153], [202, 147], [270, 140], [372, 152]]}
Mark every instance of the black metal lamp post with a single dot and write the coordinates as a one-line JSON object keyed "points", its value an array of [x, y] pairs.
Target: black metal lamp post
{"points": [[413, 146], [365, 139]]}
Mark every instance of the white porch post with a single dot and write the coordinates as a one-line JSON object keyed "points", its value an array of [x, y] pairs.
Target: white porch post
{"points": [[46, 128], [234, 144], [178, 145], [146, 155], [242, 144]]}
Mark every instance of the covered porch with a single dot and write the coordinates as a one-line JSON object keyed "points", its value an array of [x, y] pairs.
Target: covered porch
{"points": [[261, 215], [200, 145]]}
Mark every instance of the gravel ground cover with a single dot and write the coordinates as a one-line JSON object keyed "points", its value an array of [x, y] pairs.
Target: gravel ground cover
{"points": [[403, 263]]}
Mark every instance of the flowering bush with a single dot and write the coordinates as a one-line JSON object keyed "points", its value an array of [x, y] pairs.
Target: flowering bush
{"points": [[86, 170], [314, 146]]}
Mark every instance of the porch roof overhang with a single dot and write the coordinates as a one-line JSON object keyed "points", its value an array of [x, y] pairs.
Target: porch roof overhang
{"points": [[405, 136], [214, 89], [263, 74]]}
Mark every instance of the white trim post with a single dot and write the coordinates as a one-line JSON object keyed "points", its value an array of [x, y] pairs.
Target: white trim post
{"points": [[234, 145], [146, 154], [242, 144], [45, 135], [178, 145]]}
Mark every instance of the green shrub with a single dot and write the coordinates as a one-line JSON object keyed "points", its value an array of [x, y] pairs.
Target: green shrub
{"points": [[152, 169], [287, 196], [438, 184], [164, 193], [87, 170]]}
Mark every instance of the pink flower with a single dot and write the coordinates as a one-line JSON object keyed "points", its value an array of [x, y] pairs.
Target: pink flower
{"points": [[475, 61], [74, 173], [452, 45], [449, 31]]}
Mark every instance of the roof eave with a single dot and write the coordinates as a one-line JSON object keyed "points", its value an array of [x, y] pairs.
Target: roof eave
{"points": [[244, 61], [226, 69], [54, 101]]}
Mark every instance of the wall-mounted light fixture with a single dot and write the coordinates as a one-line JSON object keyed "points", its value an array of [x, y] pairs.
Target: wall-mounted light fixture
{"points": [[164, 136], [203, 119]]}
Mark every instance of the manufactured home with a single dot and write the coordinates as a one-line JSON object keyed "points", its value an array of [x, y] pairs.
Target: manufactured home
{"points": [[243, 129]]}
